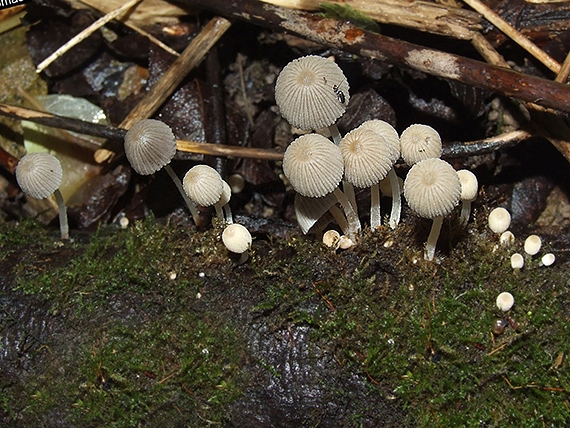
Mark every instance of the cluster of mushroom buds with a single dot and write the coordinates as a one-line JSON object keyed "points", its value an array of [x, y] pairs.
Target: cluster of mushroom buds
{"points": [[312, 93], [150, 145], [499, 221]]}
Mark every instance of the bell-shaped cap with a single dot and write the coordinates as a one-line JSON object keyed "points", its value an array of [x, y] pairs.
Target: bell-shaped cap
{"points": [[432, 188], [149, 146], [367, 157], [469, 185], [39, 174], [313, 165], [203, 185], [311, 92], [236, 238], [419, 142], [388, 132]]}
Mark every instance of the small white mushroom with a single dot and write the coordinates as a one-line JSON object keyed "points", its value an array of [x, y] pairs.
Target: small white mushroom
{"points": [[204, 186], [432, 189], [469, 188], [506, 238], [419, 142], [517, 261], [331, 238], [532, 245], [499, 220], [548, 259], [39, 175], [505, 301], [236, 238]]}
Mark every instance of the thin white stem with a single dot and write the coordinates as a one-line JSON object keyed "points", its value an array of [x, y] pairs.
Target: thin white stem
{"points": [[432, 238], [228, 214], [63, 224], [353, 221], [335, 133], [375, 214], [396, 199], [191, 205], [465, 213], [219, 212]]}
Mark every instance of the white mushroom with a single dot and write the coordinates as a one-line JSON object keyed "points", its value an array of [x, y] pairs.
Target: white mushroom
{"points": [[39, 175], [236, 238], [505, 301], [499, 220], [469, 188], [532, 245], [419, 142], [432, 189], [205, 187], [517, 261]]}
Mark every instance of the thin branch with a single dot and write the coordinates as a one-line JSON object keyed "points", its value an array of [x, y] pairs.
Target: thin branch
{"points": [[344, 35], [84, 34], [515, 35]]}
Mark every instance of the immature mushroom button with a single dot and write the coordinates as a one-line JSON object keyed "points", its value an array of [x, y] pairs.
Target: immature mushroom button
{"points": [[236, 238], [505, 301], [517, 261], [419, 142], [499, 220], [311, 92], [532, 245], [39, 175], [432, 189]]}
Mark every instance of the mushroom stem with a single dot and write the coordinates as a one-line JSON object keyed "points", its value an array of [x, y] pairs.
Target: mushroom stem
{"points": [[353, 221], [465, 212], [432, 238], [339, 217], [63, 224], [191, 205], [347, 187], [335, 134], [220, 213], [396, 199], [228, 214], [375, 214]]}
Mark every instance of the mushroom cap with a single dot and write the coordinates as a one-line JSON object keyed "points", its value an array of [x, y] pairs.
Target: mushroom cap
{"points": [[505, 301], [236, 238], [507, 238], [309, 210], [469, 185], [39, 174], [226, 194], [532, 245], [311, 92], [419, 142], [367, 157], [517, 261], [499, 220], [203, 185], [548, 259], [331, 238], [388, 132], [149, 146], [313, 165], [432, 188]]}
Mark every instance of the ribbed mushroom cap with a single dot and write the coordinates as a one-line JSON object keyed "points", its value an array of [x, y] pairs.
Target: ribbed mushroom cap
{"points": [[388, 132], [432, 188], [367, 157], [499, 220], [313, 165], [39, 174], [469, 185], [149, 146], [419, 142], [311, 92], [236, 238], [203, 185]]}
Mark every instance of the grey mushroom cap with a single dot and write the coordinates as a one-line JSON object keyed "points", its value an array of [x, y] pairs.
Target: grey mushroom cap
{"points": [[313, 165], [419, 142], [149, 146], [39, 174], [311, 92], [203, 185], [367, 157], [432, 188]]}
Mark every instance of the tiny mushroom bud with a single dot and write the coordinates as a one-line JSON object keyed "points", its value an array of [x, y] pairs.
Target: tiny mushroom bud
{"points": [[499, 220], [505, 301], [506, 238], [150, 145], [548, 259], [432, 189], [469, 188], [39, 175], [331, 238], [532, 245], [419, 142], [314, 167], [517, 261], [236, 238]]}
